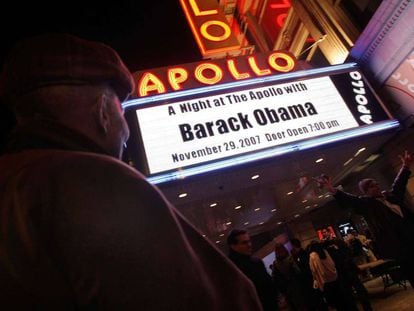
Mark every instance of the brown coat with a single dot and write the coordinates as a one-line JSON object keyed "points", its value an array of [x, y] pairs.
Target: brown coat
{"points": [[83, 230]]}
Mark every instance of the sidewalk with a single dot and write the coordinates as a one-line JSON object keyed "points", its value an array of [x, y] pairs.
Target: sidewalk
{"points": [[393, 298]]}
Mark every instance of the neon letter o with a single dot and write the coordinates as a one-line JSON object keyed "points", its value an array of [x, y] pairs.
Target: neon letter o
{"points": [[208, 36], [290, 63], [218, 73]]}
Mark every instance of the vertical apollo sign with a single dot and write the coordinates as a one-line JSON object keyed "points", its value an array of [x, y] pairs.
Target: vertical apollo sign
{"points": [[210, 28]]}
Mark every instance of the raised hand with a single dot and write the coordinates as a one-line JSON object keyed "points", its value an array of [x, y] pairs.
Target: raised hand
{"points": [[406, 158], [324, 181]]}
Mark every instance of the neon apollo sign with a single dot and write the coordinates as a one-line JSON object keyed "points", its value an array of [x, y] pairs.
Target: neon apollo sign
{"points": [[191, 131], [213, 72]]}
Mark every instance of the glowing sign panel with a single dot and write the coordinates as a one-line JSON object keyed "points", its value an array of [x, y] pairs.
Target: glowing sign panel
{"points": [[209, 128]]}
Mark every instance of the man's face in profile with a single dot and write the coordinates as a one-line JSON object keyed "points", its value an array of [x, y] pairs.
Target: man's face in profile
{"points": [[118, 131], [243, 245]]}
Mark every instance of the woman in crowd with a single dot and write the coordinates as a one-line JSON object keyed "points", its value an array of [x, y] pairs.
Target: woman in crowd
{"points": [[325, 276]]}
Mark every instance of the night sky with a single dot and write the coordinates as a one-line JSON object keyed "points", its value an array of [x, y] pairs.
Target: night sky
{"points": [[146, 34]]}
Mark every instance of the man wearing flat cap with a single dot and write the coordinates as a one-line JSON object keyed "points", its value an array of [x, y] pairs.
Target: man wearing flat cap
{"points": [[391, 223], [79, 228]]}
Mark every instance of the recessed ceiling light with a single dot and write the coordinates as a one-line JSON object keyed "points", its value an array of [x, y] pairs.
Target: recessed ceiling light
{"points": [[217, 242], [359, 151], [255, 176], [304, 201], [367, 161], [228, 223], [261, 223], [222, 234], [349, 161], [307, 207], [257, 209], [182, 195], [246, 223], [273, 210], [279, 223], [372, 157], [238, 207], [296, 216], [315, 205], [289, 193], [320, 196], [213, 204], [319, 160]]}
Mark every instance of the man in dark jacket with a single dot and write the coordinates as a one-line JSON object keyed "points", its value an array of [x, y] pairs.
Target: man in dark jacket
{"points": [[347, 274], [313, 297], [240, 247], [80, 230], [391, 223]]}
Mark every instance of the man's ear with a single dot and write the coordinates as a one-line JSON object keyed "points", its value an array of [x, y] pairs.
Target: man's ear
{"points": [[103, 113]]}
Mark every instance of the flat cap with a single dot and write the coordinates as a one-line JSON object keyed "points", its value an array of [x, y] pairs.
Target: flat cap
{"points": [[54, 59]]}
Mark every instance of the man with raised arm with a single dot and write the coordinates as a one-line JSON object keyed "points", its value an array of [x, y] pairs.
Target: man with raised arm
{"points": [[391, 222]]}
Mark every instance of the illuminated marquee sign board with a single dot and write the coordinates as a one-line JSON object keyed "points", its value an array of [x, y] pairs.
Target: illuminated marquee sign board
{"points": [[209, 25], [184, 134]]}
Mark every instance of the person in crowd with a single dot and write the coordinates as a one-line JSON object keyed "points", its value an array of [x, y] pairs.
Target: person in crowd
{"points": [[360, 245], [80, 229], [287, 277], [348, 274], [371, 242], [390, 221], [240, 252], [326, 234], [299, 254], [366, 242], [358, 252], [313, 297], [354, 234], [325, 276]]}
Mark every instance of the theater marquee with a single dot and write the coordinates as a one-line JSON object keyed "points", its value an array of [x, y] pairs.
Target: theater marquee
{"points": [[213, 127]]}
